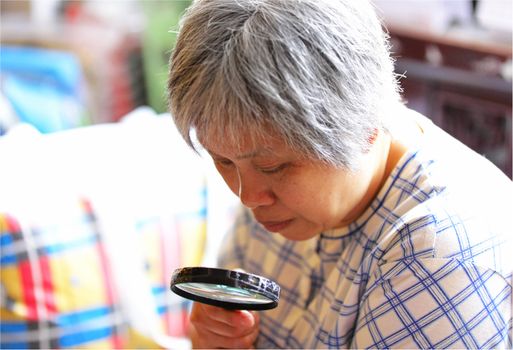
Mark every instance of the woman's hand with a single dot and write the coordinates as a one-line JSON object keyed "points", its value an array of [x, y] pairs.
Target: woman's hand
{"points": [[215, 327]]}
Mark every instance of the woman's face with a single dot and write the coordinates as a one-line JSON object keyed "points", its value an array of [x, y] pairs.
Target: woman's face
{"points": [[291, 195]]}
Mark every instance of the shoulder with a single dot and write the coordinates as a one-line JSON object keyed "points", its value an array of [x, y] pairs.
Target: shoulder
{"points": [[443, 200], [441, 228], [442, 255], [435, 303]]}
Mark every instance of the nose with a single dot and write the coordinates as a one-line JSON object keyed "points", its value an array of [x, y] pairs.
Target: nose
{"points": [[254, 191]]}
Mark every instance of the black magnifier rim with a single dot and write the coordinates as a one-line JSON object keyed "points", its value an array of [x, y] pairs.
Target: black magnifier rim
{"points": [[232, 278]]}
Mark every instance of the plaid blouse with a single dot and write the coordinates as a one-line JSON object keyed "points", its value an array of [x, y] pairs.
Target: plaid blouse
{"points": [[427, 265]]}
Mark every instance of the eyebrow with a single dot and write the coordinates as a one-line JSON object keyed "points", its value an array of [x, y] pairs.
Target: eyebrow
{"points": [[249, 155], [241, 156]]}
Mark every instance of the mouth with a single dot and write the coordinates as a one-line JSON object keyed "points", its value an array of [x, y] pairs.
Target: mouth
{"points": [[276, 226]]}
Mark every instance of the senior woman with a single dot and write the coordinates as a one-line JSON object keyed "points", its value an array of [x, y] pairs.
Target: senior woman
{"points": [[382, 230]]}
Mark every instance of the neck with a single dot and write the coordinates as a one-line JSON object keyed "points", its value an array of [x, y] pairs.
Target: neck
{"points": [[387, 150], [382, 160], [386, 158]]}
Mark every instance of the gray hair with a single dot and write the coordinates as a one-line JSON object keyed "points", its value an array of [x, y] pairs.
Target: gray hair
{"points": [[318, 73]]}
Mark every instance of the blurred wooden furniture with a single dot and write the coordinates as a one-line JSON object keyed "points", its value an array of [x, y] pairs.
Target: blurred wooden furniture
{"points": [[462, 81]]}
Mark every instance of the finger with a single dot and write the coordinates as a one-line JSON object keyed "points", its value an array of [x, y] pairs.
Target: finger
{"points": [[206, 339], [200, 318], [206, 317], [256, 316], [240, 319]]}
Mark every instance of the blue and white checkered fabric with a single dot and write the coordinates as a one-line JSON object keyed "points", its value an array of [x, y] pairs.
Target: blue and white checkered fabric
{"points": [[428, 265]]}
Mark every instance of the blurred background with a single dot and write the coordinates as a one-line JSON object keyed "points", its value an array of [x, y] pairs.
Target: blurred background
{"points": [[91, 62], [95, 181]]}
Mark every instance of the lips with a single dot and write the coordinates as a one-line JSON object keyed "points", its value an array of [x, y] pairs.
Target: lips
{"points": [[276, 226]]}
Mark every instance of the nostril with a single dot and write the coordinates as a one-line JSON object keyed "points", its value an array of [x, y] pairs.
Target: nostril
{"points": [[253, 192], [253, 199], [247, 201]]}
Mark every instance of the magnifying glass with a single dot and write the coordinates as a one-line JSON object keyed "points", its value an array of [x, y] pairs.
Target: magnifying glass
{"points": [[230, 289]]}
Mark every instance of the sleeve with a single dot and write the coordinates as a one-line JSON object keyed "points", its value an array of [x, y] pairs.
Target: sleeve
{"points": [[235, 242], [435, 303]]}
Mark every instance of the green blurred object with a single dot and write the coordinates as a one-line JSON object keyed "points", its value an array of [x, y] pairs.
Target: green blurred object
{"points": [[162, 17]]}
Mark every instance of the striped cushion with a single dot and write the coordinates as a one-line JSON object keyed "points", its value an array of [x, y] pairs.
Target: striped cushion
{"points": [[169, 242], [57, 289]]}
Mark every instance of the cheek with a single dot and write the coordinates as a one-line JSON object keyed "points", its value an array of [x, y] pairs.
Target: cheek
{"points": [[306, 199], [324, 202]]}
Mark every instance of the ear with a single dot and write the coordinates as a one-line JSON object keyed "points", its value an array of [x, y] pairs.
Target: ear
{"points": [[373, 136]]}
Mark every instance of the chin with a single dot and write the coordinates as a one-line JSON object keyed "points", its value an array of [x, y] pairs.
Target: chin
{"points": [[299, 235]]}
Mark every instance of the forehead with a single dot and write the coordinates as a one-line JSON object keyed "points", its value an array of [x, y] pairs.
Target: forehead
{"points": [[244, 145]]}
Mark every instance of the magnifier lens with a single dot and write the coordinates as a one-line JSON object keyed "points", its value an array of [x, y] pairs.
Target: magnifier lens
{"points": [[223, 293], [225, 288]]}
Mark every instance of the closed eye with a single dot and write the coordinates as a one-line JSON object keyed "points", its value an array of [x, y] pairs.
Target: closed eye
{"points": [[223, 162], [274, 170]]}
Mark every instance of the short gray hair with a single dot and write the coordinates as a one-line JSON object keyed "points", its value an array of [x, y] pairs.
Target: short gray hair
{"points": [[318, 73]]}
